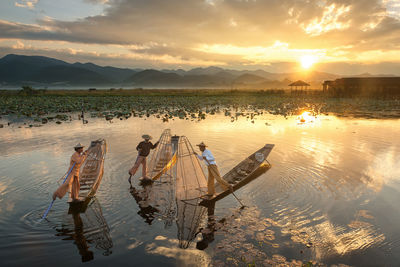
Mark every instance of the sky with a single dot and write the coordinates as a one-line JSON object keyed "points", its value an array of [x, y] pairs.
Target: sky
{"points": [[337, 36]]}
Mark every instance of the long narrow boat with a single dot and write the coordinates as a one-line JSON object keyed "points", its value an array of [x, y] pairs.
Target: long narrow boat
{"points": [[92, 169], [191, 184], [159, 162], [243, 173], [157, 200]]}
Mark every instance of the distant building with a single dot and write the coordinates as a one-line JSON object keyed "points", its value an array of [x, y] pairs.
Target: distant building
{"points": [[363, 86], [299, 85]]}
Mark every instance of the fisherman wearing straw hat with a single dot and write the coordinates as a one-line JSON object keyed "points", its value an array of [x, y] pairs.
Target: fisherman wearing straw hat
{"points": [[72, 183], [213, 172], [143, 149]]}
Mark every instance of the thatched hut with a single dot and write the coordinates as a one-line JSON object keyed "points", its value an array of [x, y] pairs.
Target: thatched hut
{"points": [[299, 85]]}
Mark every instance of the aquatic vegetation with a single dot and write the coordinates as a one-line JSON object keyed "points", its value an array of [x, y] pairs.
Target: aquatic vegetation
{"points": [[186, 104], [246, 239]]}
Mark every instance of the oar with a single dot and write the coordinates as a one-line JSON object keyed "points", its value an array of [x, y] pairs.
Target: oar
{"points": [[52, 202], [238, 200]]}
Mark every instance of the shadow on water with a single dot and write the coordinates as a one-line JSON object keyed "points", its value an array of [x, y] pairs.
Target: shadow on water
{"points": [[157, 201], [89, 229], [141, 196]]}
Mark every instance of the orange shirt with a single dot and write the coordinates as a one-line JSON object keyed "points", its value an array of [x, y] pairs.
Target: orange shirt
{"points": [[78, 159]]}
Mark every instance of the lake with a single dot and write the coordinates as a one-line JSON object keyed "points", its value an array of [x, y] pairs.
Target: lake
{"points": [[331, 196]]}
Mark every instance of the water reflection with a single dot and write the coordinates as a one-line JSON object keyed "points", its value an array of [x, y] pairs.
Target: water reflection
{"points": [[156, 200], [331, 193], [89, 227], [141, 196], [208, 232]]}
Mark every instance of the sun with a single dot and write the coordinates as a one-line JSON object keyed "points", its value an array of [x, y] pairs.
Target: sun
{"points": [[308, 61]]}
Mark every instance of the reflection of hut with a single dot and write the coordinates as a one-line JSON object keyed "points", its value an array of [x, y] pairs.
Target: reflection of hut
{"points": [[299, 85]]}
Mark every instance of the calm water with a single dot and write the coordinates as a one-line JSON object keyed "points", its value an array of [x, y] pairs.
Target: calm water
{"points": [[332, 195]]}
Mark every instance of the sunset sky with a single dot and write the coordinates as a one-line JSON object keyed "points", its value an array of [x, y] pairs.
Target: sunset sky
{"points": [[338, 36]]}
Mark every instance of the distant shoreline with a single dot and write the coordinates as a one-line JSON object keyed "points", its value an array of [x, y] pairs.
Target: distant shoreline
{"points": [[142, 91], [42, 106]]}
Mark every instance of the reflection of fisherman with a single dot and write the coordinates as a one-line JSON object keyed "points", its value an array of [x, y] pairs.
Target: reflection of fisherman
{"points": [[72, 182], [208, 232], [80, 239], [146, 211], [213, 172], [143, 149]]}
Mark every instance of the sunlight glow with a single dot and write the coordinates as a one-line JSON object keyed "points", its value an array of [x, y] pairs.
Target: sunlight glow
{"points": [[306, 117], [308, 61], [331, 20]]}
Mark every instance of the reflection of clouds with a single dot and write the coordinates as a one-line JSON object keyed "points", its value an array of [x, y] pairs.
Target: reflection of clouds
{"points": [[26, 133], [133, 243], [184, 257], [9, 206], [343, 241], [160, 237], [323, 152], [383, 169], [40, 168], [328, 239], [3, 187]]}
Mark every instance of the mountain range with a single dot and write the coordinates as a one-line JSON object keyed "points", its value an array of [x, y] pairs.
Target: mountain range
{"points": [[17, 70]]}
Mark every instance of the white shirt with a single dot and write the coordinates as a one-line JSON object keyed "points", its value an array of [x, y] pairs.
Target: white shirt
{"points": [[209, 156]]}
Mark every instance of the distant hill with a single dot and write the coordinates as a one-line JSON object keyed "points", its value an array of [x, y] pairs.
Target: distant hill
{"points": [[17, 69], [248, 78], [14, 68], [68, 75], [111, 73], [20, 70], [154, 78]]}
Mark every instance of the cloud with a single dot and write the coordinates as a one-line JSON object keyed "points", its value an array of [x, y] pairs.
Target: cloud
{"points": [[26, 3], [108, 56], [329, 21], [97, 2], [215, 30]]}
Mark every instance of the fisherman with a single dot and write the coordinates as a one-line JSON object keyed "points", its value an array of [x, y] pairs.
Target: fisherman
{"points": [[213, 172], [143, 149], [72, 183]]}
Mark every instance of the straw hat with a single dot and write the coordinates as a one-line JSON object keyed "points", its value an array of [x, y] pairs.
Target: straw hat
{"points": [[202, 144], [79, 145], [146, 136]]}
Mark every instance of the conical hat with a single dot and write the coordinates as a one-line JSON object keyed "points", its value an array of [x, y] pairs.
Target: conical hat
{"points": [[146, 136], [79, 145], [202, 144]]}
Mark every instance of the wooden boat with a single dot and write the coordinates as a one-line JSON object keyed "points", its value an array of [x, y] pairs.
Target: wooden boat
{"points": [[191, 184], [92, 169], [246, 171], [159, 162]]}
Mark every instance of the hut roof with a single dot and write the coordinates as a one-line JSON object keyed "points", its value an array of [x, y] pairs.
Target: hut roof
{"points": [[299, 83]]}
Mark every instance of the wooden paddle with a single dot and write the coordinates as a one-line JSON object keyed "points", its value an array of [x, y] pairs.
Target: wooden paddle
{"points": [[52, 202]]}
